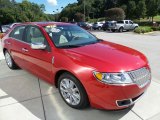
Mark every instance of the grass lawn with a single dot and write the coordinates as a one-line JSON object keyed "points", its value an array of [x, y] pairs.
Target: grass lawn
{"points": [[156, 18]]}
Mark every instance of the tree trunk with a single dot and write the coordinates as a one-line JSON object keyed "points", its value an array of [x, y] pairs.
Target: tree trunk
{"points": [[152, 19]]}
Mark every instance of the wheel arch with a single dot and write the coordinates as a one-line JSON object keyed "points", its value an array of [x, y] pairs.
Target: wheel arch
{"points": [[60, 72]]}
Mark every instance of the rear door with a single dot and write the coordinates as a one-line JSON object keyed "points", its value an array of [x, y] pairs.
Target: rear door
{"points": [[17, 42], [38, 62]]}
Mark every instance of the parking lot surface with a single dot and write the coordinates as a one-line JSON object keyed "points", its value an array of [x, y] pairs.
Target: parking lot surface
{"points": [[25, 97]]}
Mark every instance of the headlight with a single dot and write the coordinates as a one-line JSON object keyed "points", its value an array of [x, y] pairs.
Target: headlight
{"points": [[113, 78]]}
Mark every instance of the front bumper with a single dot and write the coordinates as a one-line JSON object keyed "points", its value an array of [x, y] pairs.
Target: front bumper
{"points": [[112, 97]]}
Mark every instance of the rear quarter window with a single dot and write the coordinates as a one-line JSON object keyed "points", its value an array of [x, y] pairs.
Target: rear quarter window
{"points": [[17, 32]]}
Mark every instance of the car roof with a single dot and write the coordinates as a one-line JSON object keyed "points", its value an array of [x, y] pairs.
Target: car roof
{"points": [[45, 23]]}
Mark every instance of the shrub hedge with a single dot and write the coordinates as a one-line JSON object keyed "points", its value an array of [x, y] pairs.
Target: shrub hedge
{"points": [[145, 23], [155, 28], [143, 30]]}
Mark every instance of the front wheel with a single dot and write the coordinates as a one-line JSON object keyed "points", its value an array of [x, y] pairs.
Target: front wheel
{"points": [[135, 28], [72, 91], [10, 62], [99, 28]]}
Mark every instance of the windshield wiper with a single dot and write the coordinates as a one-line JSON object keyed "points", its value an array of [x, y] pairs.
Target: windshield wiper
{"points": [[69, 46]]}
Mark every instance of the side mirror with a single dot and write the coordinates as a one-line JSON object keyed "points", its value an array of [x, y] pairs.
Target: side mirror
{"points": [[38, 46]]}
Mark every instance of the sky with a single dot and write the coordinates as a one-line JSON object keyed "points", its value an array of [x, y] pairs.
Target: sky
{"points": [[52, 5]]}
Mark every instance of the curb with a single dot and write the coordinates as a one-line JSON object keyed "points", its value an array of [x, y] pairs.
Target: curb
{"points": [[144, 33], [148, 33]]}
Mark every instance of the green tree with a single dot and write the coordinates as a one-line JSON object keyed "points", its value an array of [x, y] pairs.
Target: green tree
{"points": [[79, 17], [141, 9], [64, 19], [115, 14], [11, 11], [131, 7], [152, 8]]}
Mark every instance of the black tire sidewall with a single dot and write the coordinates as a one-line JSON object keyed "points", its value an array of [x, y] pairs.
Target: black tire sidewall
{"points": [[121, 29]]}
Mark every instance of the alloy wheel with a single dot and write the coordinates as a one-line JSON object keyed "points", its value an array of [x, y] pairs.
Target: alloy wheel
{"points": [[8, 59], [70, 91]]}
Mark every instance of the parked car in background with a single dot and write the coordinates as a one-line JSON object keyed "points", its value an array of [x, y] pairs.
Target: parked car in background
{"points": [[84, 25], [5, 28], [97, 25], [90, 25], [126, 25], [108, 25], [13, 24], [85, 69], [123, 25]]}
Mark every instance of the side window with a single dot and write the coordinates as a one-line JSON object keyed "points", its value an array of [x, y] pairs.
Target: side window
{"points": [[34, 35], [130, 22], [17, 33], [126, 22]]}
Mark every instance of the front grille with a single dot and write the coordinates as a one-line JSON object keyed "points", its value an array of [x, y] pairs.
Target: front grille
{"points": [[141, 76]]}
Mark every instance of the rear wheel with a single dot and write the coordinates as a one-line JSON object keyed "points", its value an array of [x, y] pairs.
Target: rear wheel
{"points": [[72, 91], [10, 62], [121, 29]]}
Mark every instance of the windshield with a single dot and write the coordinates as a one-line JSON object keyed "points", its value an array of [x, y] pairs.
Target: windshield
{"points": [[69, 36]]}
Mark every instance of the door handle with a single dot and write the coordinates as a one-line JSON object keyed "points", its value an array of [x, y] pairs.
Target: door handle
{"points": [[24, 50]]}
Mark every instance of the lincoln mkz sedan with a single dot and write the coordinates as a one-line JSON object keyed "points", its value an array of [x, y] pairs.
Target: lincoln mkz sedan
{"points": [[86, 70]]}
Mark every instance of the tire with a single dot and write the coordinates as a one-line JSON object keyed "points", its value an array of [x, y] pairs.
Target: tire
{"points": [[9, 60], [75, 96], [99, 28], [121, 29]]}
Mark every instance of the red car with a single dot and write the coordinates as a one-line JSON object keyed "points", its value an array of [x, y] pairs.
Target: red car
{"points": [[86, 70]]}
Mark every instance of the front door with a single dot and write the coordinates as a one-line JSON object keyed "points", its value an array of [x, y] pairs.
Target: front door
{"points": [[126, 25], [38, 62]]}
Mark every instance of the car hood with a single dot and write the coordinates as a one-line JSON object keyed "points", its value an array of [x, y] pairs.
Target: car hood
{"points": [[107, 57]]}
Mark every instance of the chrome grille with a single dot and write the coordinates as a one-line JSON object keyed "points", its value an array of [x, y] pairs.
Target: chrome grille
{"points": [[141, 76]]}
